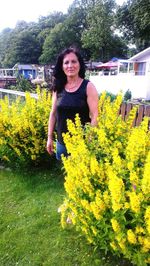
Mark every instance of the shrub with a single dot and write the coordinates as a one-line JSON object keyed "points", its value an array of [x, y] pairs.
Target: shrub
{"points": [[23, 129], [127, 95], [107, 182]]}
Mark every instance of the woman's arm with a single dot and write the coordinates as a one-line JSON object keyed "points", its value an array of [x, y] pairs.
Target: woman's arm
{"points": [[51, 124], [92, 100]]}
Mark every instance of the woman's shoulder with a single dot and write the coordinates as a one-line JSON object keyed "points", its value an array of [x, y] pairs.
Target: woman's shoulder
{"points": [[91, 88], [88, 83]]}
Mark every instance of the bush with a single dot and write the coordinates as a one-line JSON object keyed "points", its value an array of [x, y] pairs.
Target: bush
{"points": [[107, 182], [127, 95], [23, 129]]}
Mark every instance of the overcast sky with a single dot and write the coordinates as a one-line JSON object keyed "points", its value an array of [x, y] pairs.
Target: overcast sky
{"points": [[30, 10]]}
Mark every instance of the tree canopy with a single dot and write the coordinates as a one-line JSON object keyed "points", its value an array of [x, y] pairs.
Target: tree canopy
{"points": [[133, 19], [90, 25]]}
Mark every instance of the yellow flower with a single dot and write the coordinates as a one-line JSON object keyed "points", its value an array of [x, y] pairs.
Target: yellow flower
{"points": [[94, 230], [147, 219], [131, 237], [115, 225], [146, 244], [106, 198], [116, 187], [146, 177], [113, 245], [86, 205], [134, 201], [96, 210], [94, 165], [139, 230]]}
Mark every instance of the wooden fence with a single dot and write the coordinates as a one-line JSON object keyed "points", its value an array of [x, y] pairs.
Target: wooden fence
{"points": [[143, 110]]}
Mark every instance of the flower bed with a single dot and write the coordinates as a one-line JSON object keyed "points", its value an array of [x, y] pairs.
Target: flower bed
{"points": [[23, 129], [108, 182]]}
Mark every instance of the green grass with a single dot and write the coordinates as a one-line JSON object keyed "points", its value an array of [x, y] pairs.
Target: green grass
{"points": [[30, 228]]}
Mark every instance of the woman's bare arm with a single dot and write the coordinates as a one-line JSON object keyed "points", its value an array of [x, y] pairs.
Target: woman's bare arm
{"points": [[92, 100], [51, 124]]}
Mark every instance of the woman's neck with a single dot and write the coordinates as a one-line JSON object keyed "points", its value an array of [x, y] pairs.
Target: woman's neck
{"points": [[73, 83], [73, 80]]}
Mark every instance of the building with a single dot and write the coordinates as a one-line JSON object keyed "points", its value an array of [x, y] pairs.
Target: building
{"points": [[132, 74], [28, 71]]}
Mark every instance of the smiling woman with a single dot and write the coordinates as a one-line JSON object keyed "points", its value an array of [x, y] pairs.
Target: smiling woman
{"points": [[72, 94]]}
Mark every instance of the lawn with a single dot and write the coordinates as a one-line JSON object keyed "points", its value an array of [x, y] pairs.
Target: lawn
{"points": [[30, 228]]}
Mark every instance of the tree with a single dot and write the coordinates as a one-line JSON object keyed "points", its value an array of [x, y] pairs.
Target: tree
{"points": [[20, 45], [133, 20], [53, 44], [64, 35], [99, 32], [46, 24], [27, 49], [4, 44]]}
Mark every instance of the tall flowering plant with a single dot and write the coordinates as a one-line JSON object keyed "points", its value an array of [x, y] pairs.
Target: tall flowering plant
{"points": [[108, 182], [23, 128]]}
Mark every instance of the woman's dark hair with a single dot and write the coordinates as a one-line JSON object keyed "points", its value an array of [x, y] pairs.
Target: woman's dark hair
{"points": [[60, 78]]}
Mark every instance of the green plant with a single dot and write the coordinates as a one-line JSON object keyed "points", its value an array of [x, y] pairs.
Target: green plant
{"points": [[107, 182], [23, 129], [22, 84], [110, 95], [127, 95]]}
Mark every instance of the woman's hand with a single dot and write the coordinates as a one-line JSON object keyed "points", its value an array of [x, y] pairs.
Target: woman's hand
{"points": [[50, 146]]}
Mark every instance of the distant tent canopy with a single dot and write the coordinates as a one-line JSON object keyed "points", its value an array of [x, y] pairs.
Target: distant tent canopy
{"points": [[110, 64], [92, 65]]}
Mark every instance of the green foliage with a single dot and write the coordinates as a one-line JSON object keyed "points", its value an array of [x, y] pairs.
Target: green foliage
{"points": [[107, 182], [64, 35], [134, 23], [53, 44], [110, 95], [89, 25], [23, 129], [98, 34], [22, 84], [127, 95]]}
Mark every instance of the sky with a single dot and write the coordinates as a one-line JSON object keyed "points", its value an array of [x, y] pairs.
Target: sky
{"points": [[30, 10]]}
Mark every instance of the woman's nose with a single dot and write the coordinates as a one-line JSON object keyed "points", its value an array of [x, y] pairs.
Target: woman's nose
{"points": [[70, 64]]}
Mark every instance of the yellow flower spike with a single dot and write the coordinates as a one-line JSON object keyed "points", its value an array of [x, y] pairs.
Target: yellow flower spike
{"points": [[135, 201], [86, 205], [26, 125], [146, 244], [94, 230], [94, 165], [5, 158], [115, 225], [139, 230], [106, 198], [113, 245], [146, 177], [96, 210], [131, 237], [116, 187], [134, 179], [147, 218]]}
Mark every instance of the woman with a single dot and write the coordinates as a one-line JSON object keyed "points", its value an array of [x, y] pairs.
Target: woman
{"points": [[72, 94]]}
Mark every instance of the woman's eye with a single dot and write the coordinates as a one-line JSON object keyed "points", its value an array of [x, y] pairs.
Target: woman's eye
{"points": [[72, 62], [67, 62]]}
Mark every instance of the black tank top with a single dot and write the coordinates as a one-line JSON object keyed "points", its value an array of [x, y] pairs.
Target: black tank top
{"points": [[68, 105]]}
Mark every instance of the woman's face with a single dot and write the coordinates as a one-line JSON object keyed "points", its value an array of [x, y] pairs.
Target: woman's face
{"points": [[71, 65]]}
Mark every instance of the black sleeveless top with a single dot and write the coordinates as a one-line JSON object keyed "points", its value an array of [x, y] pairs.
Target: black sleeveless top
{"points": [[68, 105]]}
